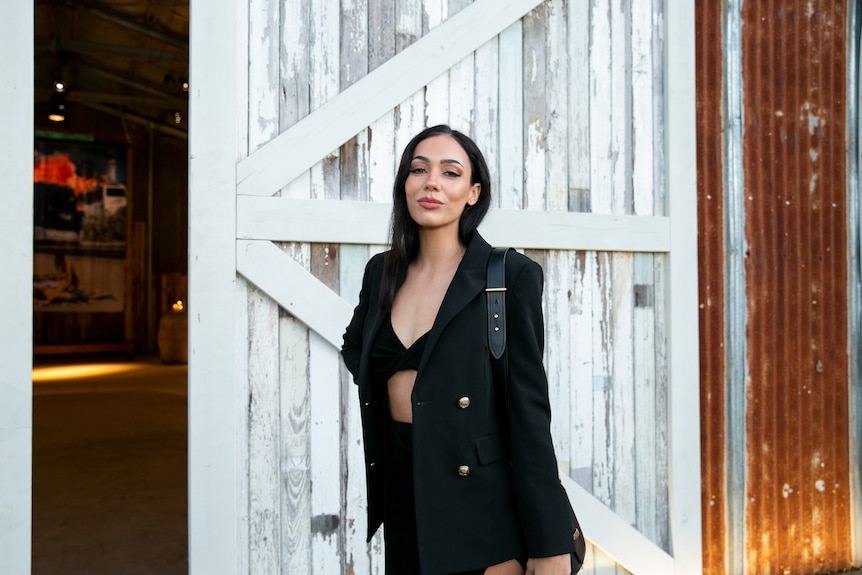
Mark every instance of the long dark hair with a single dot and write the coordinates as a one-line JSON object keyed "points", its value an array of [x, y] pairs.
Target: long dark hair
{"points": [[405, 232]]}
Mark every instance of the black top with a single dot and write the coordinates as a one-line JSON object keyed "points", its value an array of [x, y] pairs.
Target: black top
{"points": [[388, 355]]}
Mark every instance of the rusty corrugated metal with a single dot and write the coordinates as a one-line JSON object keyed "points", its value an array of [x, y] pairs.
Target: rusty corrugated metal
{"points": [[711, 281], [797, 517]]}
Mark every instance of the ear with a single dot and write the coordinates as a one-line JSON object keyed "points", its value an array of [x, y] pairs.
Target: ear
{"points": [[475, 192]]}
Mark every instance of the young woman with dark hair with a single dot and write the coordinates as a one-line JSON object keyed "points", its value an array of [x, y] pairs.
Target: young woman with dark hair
{"points": [[459, 485]]}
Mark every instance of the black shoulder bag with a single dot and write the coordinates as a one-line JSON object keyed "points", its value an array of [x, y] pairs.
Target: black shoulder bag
{"points": [[495, 291]]}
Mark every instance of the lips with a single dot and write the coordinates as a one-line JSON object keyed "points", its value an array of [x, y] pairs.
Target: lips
{"points": [[429, 203]]}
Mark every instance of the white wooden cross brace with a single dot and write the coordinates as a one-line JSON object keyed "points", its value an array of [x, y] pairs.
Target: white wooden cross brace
{"points": [[281, 160]]}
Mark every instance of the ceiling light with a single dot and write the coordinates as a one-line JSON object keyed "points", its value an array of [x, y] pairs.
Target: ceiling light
{"points": [[60, 86], [57, 107]]}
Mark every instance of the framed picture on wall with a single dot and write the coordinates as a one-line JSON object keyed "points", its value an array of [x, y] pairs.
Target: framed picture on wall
{"points": [[79, 229]]}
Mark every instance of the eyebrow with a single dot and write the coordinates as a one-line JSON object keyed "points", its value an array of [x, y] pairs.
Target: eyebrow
{"points": [[424, 159]]}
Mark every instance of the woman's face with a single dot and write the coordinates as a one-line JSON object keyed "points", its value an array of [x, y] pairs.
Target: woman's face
{"points": [[438, 185]]}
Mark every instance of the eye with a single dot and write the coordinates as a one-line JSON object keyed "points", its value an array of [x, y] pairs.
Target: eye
{"points": [[417, 170], [452, 174]]}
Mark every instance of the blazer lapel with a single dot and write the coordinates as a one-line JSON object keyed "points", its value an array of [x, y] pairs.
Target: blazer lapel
{"points": [[469, 280]]}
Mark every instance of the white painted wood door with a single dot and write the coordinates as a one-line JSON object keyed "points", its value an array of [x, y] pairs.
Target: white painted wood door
{"points": [[299, 110]]}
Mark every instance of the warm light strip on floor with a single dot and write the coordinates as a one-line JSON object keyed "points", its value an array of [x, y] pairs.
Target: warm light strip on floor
{"points": [[66, 372]]}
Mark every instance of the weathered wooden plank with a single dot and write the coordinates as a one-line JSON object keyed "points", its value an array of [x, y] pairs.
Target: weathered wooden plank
{"points": [[462, 79], [294, 69], [535, 123], [242, 352], [486, 116], [16, 292], [354, 65], [343, 116], [325, 429], [295, 537], [511, 161], [294, 63], [437, 89], [643, 89], [581, 357], [662, 406], [579, 105], [602, 360], [410, 113], [620, 109], [622, 382], [263, 81], [602, 153], [644, 379], [462, 95], [556, 107], [282, 219], [288, 283], [266, 512], [325, 24], [558, 278]]}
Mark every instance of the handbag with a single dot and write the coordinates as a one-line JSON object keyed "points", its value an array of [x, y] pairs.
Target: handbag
{"points": [[495, 291]]}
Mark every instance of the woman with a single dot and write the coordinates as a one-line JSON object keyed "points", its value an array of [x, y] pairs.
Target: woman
{"points": [[457, 489]]}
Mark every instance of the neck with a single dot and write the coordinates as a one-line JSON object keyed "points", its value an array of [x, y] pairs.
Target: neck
{"points": [[438, 249]]}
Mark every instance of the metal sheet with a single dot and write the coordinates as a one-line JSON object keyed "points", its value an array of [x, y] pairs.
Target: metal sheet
{"points": [[711, 281], [794, 160]]}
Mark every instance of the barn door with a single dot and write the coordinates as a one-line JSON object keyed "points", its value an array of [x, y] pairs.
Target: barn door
{"points": [[299, 111]]}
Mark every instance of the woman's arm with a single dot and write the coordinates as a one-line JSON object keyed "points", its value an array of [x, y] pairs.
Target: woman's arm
{"points": [[351, 349], [541, 499]]}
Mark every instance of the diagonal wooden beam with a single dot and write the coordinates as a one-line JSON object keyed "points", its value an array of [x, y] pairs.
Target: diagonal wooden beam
{"points": [[616, 538], [280, 277], [278, 162]]}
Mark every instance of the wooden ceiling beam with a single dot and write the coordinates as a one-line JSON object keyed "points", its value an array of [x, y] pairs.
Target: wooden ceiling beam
{"points": [[100, 49], [133, 24]]}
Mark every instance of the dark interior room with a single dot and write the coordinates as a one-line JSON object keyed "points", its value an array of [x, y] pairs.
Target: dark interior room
{"points": [[109, 294]]}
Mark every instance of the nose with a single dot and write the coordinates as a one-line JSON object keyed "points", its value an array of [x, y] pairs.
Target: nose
{"points": [[431, 180]]}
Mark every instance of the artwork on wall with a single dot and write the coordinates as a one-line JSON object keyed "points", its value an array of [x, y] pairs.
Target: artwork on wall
{"points": [[79, 226]]}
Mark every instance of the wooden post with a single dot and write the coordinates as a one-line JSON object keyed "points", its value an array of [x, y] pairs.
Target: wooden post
{"points": [[16, 300], [214, 506]]}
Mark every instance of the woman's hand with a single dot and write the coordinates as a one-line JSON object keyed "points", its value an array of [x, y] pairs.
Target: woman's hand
{"points": [[556, 565]]}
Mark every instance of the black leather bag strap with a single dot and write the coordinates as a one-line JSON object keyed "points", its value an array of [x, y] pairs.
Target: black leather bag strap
{"points": [[495, 290]]}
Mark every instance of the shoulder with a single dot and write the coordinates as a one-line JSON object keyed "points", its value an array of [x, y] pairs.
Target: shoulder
{"points": [[374, 267], [518, 265]]}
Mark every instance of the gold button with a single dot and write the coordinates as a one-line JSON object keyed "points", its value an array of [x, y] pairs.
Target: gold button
{"points": [[464, 402], [464, 470]]}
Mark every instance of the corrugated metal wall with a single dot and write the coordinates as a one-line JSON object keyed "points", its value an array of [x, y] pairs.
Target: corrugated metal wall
{"points": [[774, 287], [711, 279]]}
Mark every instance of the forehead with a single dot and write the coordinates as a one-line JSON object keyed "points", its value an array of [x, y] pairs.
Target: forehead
{"points": [[441, 147]]}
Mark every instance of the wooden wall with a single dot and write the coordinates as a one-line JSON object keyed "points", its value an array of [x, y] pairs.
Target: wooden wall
{"points": [[567, 102]]}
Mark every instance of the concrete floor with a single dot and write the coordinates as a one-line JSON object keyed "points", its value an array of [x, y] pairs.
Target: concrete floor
{"points": [[109, 469]]}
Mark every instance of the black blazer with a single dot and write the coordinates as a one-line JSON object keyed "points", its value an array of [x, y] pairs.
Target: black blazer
{"points": [[510, 503]]}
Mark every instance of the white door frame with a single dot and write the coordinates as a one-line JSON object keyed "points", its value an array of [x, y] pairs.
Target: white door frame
{"points": [[16, 289]]}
